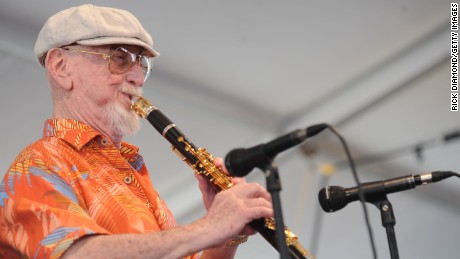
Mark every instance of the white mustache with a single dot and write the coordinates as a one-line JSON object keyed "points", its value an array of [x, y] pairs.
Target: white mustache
{"points": [[130, 90]]}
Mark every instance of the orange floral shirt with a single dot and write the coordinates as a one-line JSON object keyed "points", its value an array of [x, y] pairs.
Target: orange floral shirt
{"points": [[71, 183]]}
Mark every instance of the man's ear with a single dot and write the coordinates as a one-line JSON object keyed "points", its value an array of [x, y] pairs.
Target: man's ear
{"points": [[56, 63]]}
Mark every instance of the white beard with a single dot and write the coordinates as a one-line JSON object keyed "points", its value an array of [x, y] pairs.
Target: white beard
{"points": [[124, 122]]}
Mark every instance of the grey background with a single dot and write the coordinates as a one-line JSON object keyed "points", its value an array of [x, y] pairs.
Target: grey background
{"points": [[239, 73]]}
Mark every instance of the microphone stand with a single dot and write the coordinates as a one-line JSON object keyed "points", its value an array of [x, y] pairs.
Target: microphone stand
{"points": [[274, 187], [388, 222]]}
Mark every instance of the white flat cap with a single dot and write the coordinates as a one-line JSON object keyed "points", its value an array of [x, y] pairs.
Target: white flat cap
{"points": [[91, 26]]}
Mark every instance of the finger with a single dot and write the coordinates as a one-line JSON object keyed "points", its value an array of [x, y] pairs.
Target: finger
{"points": [[204, 185], [258, 202], [202, 182], [219, 162], [237, 180], [251, 190], [248, 230], [259, 212]]}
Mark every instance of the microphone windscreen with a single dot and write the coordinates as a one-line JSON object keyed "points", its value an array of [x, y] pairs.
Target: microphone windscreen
{"points": [[332, 198]]}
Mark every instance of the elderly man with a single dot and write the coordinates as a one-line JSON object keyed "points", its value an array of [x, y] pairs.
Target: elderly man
{"points": [[82, 191]]}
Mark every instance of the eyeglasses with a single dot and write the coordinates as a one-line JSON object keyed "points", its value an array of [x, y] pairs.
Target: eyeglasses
{"points": [[121, 60]]}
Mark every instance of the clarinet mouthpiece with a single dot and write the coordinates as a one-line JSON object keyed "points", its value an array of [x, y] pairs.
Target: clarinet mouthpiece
{"points": [[141, 106]]}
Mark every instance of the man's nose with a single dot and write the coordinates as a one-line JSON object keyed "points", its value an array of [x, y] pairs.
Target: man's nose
{"points": [[135, 75]]}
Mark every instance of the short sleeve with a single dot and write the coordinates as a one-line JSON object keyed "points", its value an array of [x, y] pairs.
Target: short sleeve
{"points": [[40, 213]]}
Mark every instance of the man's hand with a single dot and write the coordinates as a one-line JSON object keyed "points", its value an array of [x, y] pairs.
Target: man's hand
{"points": [[207, 190], [232, 209]]}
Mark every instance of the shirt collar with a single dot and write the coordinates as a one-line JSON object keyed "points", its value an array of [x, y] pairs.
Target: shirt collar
{"points": [[78, 134], [74, 132]]}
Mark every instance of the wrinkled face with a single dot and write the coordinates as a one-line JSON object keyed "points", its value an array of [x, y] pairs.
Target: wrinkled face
{"points": [[103, 97]]}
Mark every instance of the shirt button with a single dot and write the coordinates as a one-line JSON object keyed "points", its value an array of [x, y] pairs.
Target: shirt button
{"points": [[104, 142], [128, 180]]}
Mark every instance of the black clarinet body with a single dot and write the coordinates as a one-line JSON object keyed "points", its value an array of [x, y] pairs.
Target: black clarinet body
{"points": [[202, 163]]}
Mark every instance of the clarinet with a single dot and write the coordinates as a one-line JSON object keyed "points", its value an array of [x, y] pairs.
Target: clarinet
{"points": [[202, 163]]}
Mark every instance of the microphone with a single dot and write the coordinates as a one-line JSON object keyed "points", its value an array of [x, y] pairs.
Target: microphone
{"points": [[334, 198], [240, 161]]}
